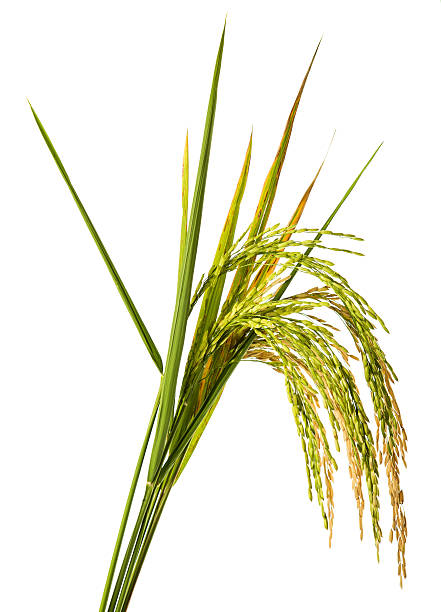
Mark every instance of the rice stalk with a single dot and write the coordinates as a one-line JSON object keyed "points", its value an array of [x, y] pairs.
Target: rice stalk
{"points": [[298, 335]]}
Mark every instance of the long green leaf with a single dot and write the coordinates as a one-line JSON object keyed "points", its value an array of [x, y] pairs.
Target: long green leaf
{"points": [[184, 205], [210, 304], [216, 390], [285, 285], [185, 280], [150, 345]]}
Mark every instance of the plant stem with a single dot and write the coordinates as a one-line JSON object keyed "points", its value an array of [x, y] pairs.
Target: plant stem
{"points": [[131, 582], [139, 531], [135, 555], [128, 505], [133, 546]]}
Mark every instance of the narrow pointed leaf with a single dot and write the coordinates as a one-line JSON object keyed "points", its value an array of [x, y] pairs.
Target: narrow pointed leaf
{"points": [[210, 303], [266, 271], [285, 285], [271, 182], [196, 437], [270, 186], [184, 204], [185, 280], [150, 345]]}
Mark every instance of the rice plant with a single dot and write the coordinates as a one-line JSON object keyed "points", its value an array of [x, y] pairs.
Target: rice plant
{"points": [[262, 318]]}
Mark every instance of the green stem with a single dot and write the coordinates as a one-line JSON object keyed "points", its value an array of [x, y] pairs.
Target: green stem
{"points": [[134, 544], [139, 546], [128, 505], [131, 582], [139, 532]]}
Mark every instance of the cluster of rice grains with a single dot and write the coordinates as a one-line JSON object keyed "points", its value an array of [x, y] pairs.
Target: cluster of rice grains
{"points": [[294, 341], [258, 321], [302, 346]]}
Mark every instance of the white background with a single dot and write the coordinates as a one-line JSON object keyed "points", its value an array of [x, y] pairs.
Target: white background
{"points": [[116, 85]]}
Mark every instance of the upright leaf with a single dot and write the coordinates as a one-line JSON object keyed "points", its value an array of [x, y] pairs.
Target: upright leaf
{"points": [[325, 226], [267, 270], [267, 196], [210, 304], [270, 186], [179, 324], [211, 301], [184, 204]]}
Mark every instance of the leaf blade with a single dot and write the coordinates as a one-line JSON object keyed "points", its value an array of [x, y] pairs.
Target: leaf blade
{"points": [[185, 280], [325, 226], [184, 221], [267, 270], [241, 278], [211, 301], [146, 338]]}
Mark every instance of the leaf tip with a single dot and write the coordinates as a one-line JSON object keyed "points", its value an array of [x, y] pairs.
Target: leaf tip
{"points": [[31, 107]]}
